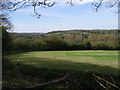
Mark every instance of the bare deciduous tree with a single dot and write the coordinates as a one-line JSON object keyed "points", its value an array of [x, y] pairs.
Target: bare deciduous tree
{"points": [[13, 5], [5, 22]]}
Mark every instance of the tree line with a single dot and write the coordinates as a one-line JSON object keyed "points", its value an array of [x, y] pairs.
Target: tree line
{"points": [[51, 45]]}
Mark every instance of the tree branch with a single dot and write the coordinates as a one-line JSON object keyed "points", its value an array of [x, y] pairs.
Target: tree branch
{"points": [[51, 82], [14, 5], [97, 4], [34, 8], [19, 7], [106, 81]]}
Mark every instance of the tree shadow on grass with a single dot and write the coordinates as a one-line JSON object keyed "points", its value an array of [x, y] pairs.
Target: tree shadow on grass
{"points": [[21, 75]]}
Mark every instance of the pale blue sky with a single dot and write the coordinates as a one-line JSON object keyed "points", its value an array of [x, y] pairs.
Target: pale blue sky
{"points": [[64, 17]]}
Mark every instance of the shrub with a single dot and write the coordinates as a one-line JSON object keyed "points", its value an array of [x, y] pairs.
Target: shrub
{"points": [[102, 47], [55, 44], [20, 45], [87, 45], [76, 46]]}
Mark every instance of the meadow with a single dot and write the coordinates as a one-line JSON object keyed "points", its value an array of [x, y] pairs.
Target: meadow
{"points": [[32, 68]]}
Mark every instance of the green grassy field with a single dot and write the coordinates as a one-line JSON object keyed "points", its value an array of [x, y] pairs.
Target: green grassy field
{"points": [[98, 61], [43, 66]]}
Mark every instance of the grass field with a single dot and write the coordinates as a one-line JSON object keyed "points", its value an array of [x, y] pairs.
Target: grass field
{"points": [[50, 65], [71, 60]]}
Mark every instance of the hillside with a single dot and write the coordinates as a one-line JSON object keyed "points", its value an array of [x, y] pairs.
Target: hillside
{"points": [[85, 32], [60, 33]]}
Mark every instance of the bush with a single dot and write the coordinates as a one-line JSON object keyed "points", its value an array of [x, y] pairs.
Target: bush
{"points": [[55, 44], [76, 46], [87, 45], [102, 47], [21, 45]]}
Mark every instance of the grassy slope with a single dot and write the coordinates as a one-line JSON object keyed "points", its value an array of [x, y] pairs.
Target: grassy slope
{"points": [[43, 66], [72, 60]]}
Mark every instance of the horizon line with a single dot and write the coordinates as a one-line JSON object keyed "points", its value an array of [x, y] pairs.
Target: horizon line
{"points": [[63, 30]]}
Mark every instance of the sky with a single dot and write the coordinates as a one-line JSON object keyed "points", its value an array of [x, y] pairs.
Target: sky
{"points": [[64, 17]]}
